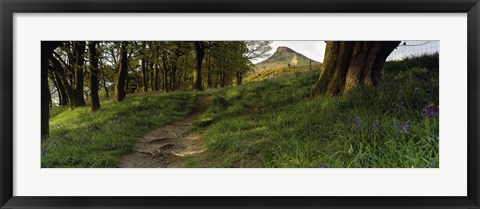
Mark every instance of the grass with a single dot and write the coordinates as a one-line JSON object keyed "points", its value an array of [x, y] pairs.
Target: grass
{"points": [[80, 138], [274, 123], [276, 72], [271, 123]]}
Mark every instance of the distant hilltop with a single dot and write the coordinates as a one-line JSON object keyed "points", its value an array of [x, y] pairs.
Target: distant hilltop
{"points": [[282, 58]]}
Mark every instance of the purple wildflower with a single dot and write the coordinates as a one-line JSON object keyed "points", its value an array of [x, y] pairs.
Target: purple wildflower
{"points": [[376, 123], [44, 152], [430, 111], [356, 123], [323, 166], [405, 126], [431, 164], [400, 104]]}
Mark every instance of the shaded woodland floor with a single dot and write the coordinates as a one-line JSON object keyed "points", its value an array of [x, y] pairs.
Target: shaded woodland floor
{"points": [[270, 123]]}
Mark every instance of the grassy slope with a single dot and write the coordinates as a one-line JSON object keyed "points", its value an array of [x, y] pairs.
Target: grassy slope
{"points": [[276, 72], [273, 123], [80, 138]]}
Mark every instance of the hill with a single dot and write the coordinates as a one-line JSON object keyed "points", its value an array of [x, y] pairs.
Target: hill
{"points": [[284, 57]]}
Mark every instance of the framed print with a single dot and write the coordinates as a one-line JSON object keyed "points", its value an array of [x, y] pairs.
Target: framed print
{"points": [[265, 104]]}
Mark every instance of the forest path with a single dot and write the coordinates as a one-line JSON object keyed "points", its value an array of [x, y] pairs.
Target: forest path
{"points": [[168, 145]]}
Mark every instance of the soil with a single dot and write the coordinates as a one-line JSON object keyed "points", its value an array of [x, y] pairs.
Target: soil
{"points": [[168, 145]]}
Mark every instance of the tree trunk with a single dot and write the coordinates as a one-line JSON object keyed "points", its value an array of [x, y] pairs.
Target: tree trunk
{"points": [[209, 69], [348, 64], [47, 48], [239, 78], [94, 75], [165, 73], [185, 69], [79, 47], [144, 75], [54, 81], [173, 77], [105, 85], [152, 76], [197, 73], [62, 92], [60, 72], [122, 74]]}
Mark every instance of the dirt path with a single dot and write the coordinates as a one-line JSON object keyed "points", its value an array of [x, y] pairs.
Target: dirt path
{"points": [[168, 145]]}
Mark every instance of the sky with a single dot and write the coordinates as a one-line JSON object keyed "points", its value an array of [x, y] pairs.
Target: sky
{"points": [[312, 49], [316, 49]]}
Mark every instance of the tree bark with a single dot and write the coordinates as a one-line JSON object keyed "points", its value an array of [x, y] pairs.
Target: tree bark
{"points": [[348, 64], [197, 73], [165, 73], [59, 71], [47, 48], [105, 84], [62, 92], [209, 69], [94, 75], [122, 74], [79, 47], [144, 75], [173, 77], [156, 71], [152, 76], [239, 78]]}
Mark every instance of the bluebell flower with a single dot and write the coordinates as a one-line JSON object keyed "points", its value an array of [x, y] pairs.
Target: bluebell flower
{"points": [[405, 126], [400, 104], [356, 123], [375, 125], [430, 111], [323, 166], [431, 164]]}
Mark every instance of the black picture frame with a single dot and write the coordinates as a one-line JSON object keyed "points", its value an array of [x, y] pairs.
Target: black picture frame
{"points": [[9, 7]]}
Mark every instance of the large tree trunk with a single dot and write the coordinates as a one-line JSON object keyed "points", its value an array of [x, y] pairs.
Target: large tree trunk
{"points": [[79, 47], [94, 75], [197, 73], [122, 74], [47, 48], [348, 64]]}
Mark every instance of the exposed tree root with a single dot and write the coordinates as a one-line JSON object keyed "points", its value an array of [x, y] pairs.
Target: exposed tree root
{"points": [[165, 146], [159, 139]]}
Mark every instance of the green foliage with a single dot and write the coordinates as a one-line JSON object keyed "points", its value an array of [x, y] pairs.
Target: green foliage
{"points": [[80, 138], [274, 123]]}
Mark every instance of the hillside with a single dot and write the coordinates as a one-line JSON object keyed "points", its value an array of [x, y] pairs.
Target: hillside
{"points": [[273, 123], [284, 57]]}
